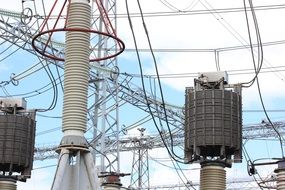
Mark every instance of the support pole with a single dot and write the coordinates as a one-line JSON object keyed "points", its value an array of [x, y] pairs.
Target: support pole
{"points": [[212, 176], [280, 171]]}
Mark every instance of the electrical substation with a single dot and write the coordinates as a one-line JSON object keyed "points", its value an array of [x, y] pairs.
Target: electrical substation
{"points": [[141, 95]]}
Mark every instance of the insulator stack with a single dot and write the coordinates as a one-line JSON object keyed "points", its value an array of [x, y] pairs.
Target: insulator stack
{"points": [[280, 171], [281, 180], [76, 68], [212, 177], [8, 185]]}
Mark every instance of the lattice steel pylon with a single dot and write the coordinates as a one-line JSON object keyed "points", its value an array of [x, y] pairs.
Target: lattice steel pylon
{"points": [[140, 166], [106, 108]]}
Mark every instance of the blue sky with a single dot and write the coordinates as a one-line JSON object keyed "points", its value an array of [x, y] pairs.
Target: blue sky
{"points": [[205, 31]]}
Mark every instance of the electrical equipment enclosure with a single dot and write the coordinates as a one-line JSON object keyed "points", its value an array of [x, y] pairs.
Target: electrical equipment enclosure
{"points": [[213, 124], [17, 137]]}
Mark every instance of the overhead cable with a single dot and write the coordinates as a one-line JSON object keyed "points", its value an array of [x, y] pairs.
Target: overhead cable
{"points": [[259, 66], [143, 85], [158, 79]]}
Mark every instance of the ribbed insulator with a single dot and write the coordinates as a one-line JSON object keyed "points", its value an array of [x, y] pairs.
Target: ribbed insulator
{"points": [[213, 178], [76, 68], [8, 185], [111, 188], [281, 180]]}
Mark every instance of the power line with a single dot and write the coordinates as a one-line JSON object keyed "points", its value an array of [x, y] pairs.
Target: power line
{"points": [[158, 79], [177, 171], [201, 12], [231, 29], [248, 159], [178, 12], [195, 74], [258, 67], [143, 85]]}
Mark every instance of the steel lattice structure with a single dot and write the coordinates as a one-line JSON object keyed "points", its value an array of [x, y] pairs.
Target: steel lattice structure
{"points": [[109, 93], [140, 166]]}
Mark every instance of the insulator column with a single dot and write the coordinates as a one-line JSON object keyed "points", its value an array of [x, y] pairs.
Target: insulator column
{"points": [[8, 184], [76, 69], [212, 176], [73, 148], [280, 171], [281, 180]]}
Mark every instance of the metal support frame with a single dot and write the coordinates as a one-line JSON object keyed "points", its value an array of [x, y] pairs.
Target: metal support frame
{"points": [[75, 171], [140, 166], [105, 117], [19, 34]]}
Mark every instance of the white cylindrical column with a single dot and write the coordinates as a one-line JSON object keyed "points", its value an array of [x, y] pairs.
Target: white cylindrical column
{"points": [[212, 177], [7, 184], [76, 72]]}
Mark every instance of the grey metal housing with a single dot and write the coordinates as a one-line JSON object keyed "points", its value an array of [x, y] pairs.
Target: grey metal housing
{"points": [[213, 124], [17, 138]]}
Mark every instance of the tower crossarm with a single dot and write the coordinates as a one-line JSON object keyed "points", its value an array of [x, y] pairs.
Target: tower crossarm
{"points": [[256, 131], [263, 130], [14, 31], [147, 102]]}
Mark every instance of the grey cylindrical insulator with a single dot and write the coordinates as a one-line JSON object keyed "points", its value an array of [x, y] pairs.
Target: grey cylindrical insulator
{"points": [[111, 188], [281, 179], [8, 185], [76, 68], [212, 178]]}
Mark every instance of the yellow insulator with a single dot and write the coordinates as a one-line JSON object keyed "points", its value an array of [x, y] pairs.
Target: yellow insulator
{"points": [[76, 74], [281, 179], [212, 177], [8, 185]]}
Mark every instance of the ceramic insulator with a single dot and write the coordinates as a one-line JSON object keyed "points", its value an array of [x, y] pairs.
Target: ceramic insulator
{"points": [[212, 178], [76, 68]]}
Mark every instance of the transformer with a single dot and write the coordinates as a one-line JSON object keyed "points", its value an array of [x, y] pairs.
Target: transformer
{"points": [[213, 119], [17, 138]]}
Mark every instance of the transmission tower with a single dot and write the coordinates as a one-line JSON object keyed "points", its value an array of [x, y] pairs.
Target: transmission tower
{"points": [[106, 108], [140, 166]]}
